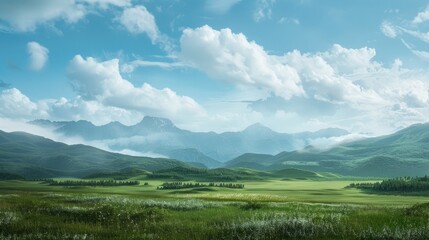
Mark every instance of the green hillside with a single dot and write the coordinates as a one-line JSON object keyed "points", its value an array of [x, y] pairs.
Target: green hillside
{"points": [[251, 160], [404, 153], [32, 156]]}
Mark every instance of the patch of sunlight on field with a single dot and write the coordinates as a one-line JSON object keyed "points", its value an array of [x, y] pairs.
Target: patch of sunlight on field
{"points": [[238, 197]]}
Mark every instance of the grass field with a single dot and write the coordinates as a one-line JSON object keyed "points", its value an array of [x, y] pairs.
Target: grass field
{"points": [[271, 209]]}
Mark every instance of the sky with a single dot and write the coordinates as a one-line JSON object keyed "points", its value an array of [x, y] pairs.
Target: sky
{"points": [[217, 65]]}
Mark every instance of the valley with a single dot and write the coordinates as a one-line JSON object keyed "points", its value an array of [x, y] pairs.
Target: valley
{"points": [[51, 190]]}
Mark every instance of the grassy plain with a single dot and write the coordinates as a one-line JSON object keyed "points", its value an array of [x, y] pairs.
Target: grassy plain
{"points": [[269, 209]]}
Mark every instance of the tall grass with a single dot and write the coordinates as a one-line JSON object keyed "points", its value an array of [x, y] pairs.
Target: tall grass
{"points": [[56, 216]]}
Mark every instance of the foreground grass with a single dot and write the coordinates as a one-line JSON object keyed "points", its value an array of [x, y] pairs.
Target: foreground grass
{"points": [[263, 210]]}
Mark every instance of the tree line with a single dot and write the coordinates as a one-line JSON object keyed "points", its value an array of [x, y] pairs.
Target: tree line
{"points": [[181, 185], [92, 183], [401, 184]]}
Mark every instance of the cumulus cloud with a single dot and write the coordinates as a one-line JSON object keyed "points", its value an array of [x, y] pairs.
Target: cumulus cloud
{"points": [[103, 96], [230, 57], [138, 20], [323, 76], [14, 104], [349, 60], [220, 6], [27, 15], [421, 16], [93, 111], [102, 82], [38, 55], [341, 86]]}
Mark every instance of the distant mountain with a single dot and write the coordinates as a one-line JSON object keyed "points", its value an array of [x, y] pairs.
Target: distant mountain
{"points": [[160, 135], [89, 131], [251, 160], [192, 155], [404, 153], [32, 156]]}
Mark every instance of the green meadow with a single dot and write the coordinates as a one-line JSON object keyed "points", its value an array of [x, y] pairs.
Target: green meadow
{"points": [[264, 209]]}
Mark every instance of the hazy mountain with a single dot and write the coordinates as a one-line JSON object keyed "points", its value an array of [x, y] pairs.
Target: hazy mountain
{"points": [[192, 155], [160, 135], [402, 153], [35, 157]]}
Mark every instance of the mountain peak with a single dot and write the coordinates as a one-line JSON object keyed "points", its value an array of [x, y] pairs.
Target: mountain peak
{"points": [[149, 121], [156, 123], [114, 124], [257, 127]]}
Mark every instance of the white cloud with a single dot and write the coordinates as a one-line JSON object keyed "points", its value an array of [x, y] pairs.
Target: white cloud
{"points": [[14, 104], [389, 30], [232, 58], [220, 6], [349, 60], [345, 86], [138, 20], [421, 54], [393, 31], [325, 82], [289, 20], [102, 82], [263, 10], [140, 154], [93, 111], [327, 143], [106, 3], [103, 96], [421, 16], [27, 15], [423, 36], [38, 55], [131, 66]]}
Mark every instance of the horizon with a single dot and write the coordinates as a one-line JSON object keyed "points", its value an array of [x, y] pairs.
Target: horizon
{"points": [[216, 65]]}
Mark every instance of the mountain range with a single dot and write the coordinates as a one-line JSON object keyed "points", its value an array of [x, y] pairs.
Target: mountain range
{"points": [[404, 153], [161, 136]]}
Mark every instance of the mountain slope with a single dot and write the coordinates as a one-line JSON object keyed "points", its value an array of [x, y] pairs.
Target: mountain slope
{"points": [[34, 157], [402, 153], [192, 155], [251, 160]]}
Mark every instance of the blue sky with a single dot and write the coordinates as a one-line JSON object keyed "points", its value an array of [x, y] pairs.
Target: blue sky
{"points": [[217, 65]]}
